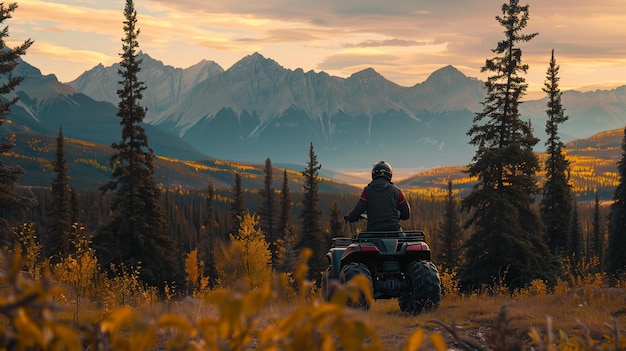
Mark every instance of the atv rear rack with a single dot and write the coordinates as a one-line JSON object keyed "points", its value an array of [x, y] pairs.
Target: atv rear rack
{"points": [[413, 235], [403, 236]]}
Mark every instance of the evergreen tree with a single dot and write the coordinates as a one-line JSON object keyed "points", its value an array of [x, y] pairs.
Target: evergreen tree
{"points": [[137, 235], [285, 242], [450, 233], [506, 242], [210, 241], [237, 210], [210, 221], [267, 210], [285, 208], [615, 258], [57, 243], [336, 220], [575, 236], [311, 235], [74, 206], [556, 201], [595, 247], [11, 197]]}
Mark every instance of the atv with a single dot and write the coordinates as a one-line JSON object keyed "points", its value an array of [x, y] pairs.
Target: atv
{"points": [[396, 263]]}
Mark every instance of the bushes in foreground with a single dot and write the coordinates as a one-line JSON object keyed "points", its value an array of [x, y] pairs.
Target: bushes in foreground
{"points": [[73, 306], [239, 319]]}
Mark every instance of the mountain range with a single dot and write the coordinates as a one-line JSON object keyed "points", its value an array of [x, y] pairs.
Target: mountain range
{"points": [[257, 109]]}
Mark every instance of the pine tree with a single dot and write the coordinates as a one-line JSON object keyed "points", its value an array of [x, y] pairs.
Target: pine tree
{"points": [[450, 233], [506, 243], [57, 243], [615, 258], [556, 202], [237, 210], [137, 235], [267, 210], [11, 197], [285, 208], [311, 235], [76, 211], [575, 236], [336, 220], [285, 242], [210, 220], [595, 247], [211, 241]]}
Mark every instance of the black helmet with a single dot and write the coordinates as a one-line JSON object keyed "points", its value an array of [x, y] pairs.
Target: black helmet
{"points": [[382, 169]]}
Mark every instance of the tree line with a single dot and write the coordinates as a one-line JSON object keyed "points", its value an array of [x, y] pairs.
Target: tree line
{"points": [[499, 232]]}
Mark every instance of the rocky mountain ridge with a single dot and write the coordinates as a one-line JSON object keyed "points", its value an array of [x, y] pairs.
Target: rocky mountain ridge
{"points": [[258, 109]]}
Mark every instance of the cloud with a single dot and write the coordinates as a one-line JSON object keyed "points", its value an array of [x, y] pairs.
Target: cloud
{"points": [[347, 61], [385, 42], [64, 17], [299, 35], [402, 37], [63, 53]]}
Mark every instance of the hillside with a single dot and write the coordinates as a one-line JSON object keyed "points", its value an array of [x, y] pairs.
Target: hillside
{"points": [[593, 166], [88, 167]]}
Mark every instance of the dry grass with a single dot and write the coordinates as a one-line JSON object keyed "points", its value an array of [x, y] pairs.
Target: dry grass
{"points": [[476, 315], [473, 316]]}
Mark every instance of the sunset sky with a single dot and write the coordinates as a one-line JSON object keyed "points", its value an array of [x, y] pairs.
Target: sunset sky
{"points": [[404, 40]]}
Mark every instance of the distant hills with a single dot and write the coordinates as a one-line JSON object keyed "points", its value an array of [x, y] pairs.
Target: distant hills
{"points": [[593, 167], [88, 167], [258, 109]]}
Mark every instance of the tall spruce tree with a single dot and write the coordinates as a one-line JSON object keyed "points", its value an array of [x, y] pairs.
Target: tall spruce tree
{"points": [[336, 221], [57, 243], [210, 242], [267, 210], [210, 221], [450, 233], [11, 197], [286, 241], [137, 234], [76, 210], [575, 236], [506, 242], [615, 258], [237, 210], [284, 220], [595, 247], [311, 235], [556, 201]]}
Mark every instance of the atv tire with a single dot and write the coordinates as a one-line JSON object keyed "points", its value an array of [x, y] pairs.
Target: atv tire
{"points": [[349, 272], [424, 288]]}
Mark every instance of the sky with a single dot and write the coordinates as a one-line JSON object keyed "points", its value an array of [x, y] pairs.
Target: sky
{"points": [[404, 40]]}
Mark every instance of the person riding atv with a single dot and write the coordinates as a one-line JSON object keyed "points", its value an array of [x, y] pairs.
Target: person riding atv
{"points": [[383, 202], [395, 262]]}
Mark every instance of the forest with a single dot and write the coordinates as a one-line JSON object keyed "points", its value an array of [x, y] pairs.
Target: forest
{"points": [[132, 243]]}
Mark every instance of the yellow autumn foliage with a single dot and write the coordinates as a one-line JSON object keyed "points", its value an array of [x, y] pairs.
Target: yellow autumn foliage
{"points": [[241, 318]]}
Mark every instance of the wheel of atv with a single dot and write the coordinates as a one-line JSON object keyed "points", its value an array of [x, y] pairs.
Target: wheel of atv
{"points": [[328, 284], [350, 271], [424, 288]]}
